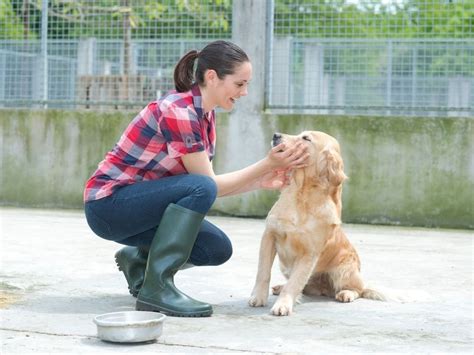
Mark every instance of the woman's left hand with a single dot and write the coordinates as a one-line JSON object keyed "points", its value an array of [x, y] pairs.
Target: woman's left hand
{"points": [[283, 157], [275, 179]]}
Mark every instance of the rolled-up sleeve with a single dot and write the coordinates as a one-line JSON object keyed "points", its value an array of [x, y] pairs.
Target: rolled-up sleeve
{"points": [[182, 131]]}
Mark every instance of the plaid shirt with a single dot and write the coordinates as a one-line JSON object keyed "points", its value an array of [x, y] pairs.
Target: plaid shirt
{"points": [[154, 142]]}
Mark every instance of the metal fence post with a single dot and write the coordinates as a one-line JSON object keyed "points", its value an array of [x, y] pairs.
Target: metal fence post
{"points": [[413, 77], [388, 98], [3, 70], [44, 51], [269, 53]]}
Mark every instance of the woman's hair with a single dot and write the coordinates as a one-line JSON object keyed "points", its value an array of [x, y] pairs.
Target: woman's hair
{"points": [[221, 56]]}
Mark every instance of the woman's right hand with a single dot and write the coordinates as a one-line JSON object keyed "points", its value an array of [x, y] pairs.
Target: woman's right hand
{"points": [[275, 179], [283, 157]]}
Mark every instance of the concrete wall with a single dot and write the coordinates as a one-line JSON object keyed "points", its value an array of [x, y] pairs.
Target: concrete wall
{"points": [[406, 171]]}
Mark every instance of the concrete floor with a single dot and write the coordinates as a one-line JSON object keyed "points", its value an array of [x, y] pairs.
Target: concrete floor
{"points": [[56, 276]]}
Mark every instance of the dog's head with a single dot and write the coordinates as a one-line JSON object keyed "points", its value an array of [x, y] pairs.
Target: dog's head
{"points": [[326, 167]]}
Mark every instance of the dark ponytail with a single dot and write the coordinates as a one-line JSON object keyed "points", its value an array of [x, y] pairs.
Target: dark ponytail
{"points": [[184, 71], [221, 56]]}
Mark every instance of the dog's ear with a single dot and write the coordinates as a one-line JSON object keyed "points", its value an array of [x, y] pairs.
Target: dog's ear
{"points": [[299, 176], [331, 167]]}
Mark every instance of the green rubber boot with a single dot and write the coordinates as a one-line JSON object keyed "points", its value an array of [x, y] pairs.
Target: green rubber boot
{"points": [[132, 262], [169, 251]]}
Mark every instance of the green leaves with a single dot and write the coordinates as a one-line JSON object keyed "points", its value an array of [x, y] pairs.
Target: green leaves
{"points": [[374, 19], [10, 25], [212, 18], [109, 19]]}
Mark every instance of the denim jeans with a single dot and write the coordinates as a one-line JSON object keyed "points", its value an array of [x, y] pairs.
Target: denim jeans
{"points": [[131, 215]]}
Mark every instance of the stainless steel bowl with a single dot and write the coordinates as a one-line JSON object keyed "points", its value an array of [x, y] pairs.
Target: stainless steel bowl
{"points": [[129, 327]]}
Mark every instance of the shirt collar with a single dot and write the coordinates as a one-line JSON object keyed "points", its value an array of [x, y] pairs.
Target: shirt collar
{"points": [[197, 101]]}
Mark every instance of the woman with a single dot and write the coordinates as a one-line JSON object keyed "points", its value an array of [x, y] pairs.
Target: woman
{"points": [[154, 188]]}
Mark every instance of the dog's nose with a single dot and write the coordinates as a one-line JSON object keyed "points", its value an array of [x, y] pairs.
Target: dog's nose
{"points": [[276, 139]]}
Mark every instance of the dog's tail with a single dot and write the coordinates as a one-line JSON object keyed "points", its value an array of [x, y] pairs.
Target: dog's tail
{"points": [[391, 295], [373, 294]]}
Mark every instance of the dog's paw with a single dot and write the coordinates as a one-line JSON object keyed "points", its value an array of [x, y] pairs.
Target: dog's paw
{"points": [[277, 289], [258, 300], [283, 307], [346, 296]]}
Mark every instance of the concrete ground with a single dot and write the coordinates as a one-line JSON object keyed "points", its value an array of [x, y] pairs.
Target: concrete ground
{"points": [[56, 276]]}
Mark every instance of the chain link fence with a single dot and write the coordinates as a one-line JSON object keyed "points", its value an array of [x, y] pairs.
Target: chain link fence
{"points": [[99, 53], [392, 57], [384, 57]]}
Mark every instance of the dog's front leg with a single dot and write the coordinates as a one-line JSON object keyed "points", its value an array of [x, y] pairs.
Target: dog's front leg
{"points": [[259, 295], [298, 279]]}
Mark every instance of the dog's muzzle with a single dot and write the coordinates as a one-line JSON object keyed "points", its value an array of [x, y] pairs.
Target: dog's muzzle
{"points": [[277, 138]]}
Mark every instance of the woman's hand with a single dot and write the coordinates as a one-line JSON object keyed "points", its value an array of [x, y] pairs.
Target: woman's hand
{"points": [[275, 179], [281, 157]]}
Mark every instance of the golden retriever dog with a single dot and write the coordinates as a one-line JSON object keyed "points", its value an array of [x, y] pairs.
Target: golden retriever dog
{"points": [[304, 229]]}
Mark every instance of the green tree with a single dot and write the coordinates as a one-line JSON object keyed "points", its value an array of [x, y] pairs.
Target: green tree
{"points": [[374, 19], [109, 19], [10, 24]]}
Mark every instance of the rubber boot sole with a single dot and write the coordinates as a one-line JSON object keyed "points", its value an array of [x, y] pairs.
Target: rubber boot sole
{"points": [[145, 306]]}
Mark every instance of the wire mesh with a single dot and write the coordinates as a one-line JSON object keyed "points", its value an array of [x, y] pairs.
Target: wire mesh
{"points": [[389, 57], [100, 53], [393, 57]]}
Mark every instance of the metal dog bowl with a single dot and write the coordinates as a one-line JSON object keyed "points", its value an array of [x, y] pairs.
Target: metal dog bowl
{"points": [[129, 327]]}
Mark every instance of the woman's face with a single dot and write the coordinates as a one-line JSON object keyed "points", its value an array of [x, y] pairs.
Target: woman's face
{"points": [[232, 86]]}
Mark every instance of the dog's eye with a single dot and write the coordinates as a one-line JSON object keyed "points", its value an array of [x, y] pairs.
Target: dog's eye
{"points": [[306, 138]]}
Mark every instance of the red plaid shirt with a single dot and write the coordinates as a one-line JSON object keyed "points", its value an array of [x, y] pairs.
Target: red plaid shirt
{"points": [[154, 142]]}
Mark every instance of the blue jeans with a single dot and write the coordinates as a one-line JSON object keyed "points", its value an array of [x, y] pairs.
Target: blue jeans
{"points": [[131, 215]]}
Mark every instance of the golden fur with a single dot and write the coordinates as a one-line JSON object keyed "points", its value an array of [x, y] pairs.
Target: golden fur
{"points": [[304, 229]]}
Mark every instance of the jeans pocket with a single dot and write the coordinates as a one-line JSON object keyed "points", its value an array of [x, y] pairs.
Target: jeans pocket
{"points": [[97, 224]]}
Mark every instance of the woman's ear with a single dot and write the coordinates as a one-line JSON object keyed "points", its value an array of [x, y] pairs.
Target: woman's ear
{"points": [[331, 167], [210, 77]]}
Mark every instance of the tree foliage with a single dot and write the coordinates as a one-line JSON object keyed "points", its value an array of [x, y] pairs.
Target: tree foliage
{"points": [[10, 23], [110, 19], [375, 19], [212, 18]]}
